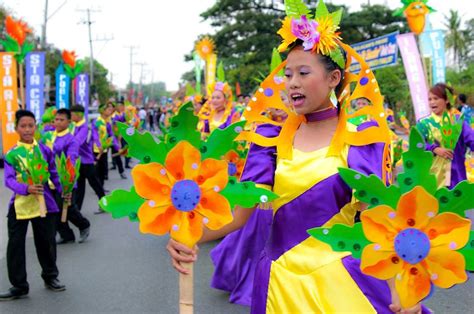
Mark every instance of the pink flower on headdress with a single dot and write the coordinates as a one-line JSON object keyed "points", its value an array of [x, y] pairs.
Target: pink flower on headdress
{"points": [[306, 31], [219, 86]]}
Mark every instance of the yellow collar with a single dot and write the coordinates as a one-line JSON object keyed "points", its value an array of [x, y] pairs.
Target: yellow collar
{"points": [[61, 134], [26, 145], [78, 124]]}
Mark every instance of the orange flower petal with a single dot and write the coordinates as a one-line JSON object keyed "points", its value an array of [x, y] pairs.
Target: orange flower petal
{"points": [[188, 229], [448, 229], [157, 221], [213, 173], [183, 161], [415, 209], [287, 36], [446, 267], [413, 285], [152, 183], [216, 210], [378, 225], [231, 156], [380, 264]]}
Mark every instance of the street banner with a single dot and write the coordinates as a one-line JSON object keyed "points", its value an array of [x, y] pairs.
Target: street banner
{"points": [[82, 91], [415, 75], [8, 99], [379, 52], [197, 72], [34, 64], [432, 43], [62, 87]]}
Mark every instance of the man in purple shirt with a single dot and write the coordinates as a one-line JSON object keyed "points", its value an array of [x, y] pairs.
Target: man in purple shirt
{"points": [[24, 208], [86, 137], [65, 142]]}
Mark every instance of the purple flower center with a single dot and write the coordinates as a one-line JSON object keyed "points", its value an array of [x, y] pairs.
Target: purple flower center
{"points": [[412, 245], [185, 195], [232, 170]]}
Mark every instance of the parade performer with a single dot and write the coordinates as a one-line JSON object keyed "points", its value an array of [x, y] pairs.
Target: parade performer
{"points": [[118, 115], [64, 142], [106, 137], [300, 160], [86, 137], [222, 112], [448, 137], [25, 163]]}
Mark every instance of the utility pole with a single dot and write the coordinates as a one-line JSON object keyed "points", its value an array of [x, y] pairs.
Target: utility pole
{"points": [[140, 88], [45, 21], [88, 22], [132, 53]]}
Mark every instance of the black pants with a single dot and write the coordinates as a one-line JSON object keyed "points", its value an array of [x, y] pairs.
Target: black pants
{"points": [[102, 168], [117, 161], [44, 231], [88, 172], [127, 159], [73, 215]]}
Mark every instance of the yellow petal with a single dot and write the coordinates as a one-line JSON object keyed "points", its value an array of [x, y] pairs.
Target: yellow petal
{"points": [[213, 175], [216, 210], [448, 229], [157, 222], [380, 264], [446, 267], [188, 229], [415, 209], [413, 285], [183, 161], [152, 183], [377, 225]]}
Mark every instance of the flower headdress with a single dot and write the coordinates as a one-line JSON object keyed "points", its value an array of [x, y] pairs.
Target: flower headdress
{"points": [[363, 84], [318, 35]]}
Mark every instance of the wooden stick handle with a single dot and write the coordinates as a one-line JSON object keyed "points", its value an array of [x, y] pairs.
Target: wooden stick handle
{"points": [[42, 205], [64, 212], [186, 290]]}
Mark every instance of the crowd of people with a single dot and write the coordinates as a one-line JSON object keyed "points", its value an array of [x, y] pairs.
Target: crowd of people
{"points": [[265, 259]]}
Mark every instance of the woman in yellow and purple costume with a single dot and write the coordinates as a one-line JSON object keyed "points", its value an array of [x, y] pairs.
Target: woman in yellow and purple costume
{"points": [[299, 160]]}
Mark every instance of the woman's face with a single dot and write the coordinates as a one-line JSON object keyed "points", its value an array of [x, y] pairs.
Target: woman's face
{"points": [[218, 100], [307, 82], [438, 105]]}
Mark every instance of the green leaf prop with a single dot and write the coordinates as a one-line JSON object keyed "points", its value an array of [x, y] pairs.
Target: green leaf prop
{"points": [[30, 164], [220, 72], [183, 127], [417, 164], [342, 238], [370, 189], [67, 172], [246, 194], [10, 44], [336, 56], [296, 8], [336, 16], [450, 131], [457, 200], [189, 90], [276, 61], [321, 10], [142, 146], [221, 141], [122, 204], [468, 252]]}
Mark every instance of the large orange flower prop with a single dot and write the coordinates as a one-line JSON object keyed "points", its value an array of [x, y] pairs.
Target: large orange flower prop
{"points": [[18, 30], [69, 57], [182, 195], [205, 48], [414, 245]]}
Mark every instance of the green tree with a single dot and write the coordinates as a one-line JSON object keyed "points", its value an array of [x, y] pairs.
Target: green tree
{"points": [[454, 38]]}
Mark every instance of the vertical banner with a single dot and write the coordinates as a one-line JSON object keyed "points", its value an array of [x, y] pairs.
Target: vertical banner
{"points": [[82, 91], [438, 56], [211, 71], [34, 64], [197, 72], [62, 87], [8, 99], [414, 72]]}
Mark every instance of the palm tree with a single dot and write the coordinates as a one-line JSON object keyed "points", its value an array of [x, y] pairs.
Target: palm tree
{"points": [[454, 37]]}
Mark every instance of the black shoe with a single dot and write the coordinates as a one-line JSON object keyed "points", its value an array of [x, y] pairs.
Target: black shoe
{"points": [[123, 176], [13, 293], [128, 167], [113, 168], [84, 234], [99, 211], [54, 285], [60, 240]]}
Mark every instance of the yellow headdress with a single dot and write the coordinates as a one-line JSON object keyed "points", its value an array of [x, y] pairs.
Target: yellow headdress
{"points": [[268, 95]]}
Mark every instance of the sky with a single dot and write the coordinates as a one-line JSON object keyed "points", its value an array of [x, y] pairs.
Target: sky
{"points": [[162, 31]]}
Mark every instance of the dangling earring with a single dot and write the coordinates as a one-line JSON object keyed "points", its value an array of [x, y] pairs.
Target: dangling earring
{"points": [[333, 98]]}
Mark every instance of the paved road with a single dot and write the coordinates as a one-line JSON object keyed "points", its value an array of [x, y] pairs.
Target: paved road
{"points": [[119, 270]]}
